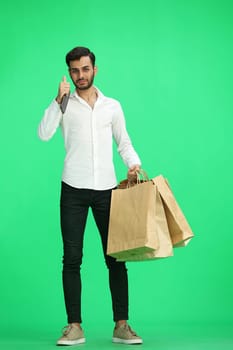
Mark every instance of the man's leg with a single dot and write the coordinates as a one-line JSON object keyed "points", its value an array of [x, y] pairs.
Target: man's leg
{"points": [[74, 210], [118, 279]]}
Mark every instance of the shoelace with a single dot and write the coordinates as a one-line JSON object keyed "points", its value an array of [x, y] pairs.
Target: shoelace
{"points": [[131, 331], [127, 327], [66, 329]]}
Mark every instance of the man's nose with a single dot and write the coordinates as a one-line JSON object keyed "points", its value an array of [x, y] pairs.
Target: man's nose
{"points": [[81, 76]]}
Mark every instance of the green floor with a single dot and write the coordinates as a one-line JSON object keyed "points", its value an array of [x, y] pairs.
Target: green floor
{"points": [[205, 337]]}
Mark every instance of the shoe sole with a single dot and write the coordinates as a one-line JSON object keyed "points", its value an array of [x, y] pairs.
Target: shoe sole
{"points": [[127, 341], [71, 342]]}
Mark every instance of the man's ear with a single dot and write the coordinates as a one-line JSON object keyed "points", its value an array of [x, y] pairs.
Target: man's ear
{"points": [[95, 70]]}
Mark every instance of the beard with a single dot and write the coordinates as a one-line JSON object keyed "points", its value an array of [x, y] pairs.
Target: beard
{"points": [[86, 86]]}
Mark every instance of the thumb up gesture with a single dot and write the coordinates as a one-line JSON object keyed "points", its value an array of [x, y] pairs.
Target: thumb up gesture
{"points": [[64, 89]]}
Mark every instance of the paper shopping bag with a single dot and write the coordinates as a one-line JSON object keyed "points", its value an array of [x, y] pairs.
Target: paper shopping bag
{"points": [[132, 224], [165, 248], [179, 228]]}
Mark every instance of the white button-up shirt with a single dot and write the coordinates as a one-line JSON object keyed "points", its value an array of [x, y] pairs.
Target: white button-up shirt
{"points": [[88, 137]]}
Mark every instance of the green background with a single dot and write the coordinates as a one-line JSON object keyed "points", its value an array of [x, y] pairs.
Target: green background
{"points": [[170, 65]]}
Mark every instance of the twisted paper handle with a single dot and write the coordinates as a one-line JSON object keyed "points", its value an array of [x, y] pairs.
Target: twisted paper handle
{"points": [[142, 176]]}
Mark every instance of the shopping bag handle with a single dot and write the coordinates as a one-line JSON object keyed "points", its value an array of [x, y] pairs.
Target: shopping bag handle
{"points": [[142, 176]]}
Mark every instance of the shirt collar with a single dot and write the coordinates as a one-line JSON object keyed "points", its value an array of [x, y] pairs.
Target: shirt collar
{"points": [[75, 95]]}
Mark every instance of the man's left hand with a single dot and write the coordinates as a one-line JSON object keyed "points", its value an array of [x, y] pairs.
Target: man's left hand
{"points": [[132, 173]]}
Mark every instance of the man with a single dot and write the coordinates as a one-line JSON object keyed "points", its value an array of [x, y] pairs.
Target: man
{"points": [[88, 124]]}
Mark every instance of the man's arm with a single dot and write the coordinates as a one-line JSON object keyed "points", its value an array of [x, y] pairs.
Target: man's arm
{"points": [[50, 121], [125, 147], [53, 115]]}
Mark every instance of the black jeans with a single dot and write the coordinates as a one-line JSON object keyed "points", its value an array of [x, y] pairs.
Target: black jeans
{"points": [[74, 207]]}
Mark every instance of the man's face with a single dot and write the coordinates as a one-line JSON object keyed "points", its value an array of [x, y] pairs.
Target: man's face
{"points": [[82, 73]]}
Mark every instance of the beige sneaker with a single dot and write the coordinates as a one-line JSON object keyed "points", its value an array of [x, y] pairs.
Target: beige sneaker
{"points": [[125, 335], [72, 335]]}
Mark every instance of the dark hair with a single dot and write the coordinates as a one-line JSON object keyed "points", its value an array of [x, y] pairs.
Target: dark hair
{"points": [[77, 53]]}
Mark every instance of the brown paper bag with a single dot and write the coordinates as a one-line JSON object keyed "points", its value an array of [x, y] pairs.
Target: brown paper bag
{"points": [[132, 226], [179, 228], [165, 248]]}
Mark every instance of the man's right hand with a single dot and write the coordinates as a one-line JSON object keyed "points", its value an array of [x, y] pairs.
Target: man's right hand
{"points": [[64, 89]]}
